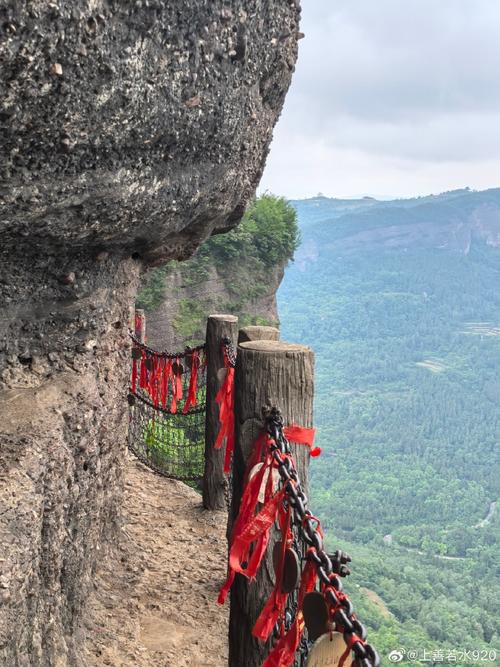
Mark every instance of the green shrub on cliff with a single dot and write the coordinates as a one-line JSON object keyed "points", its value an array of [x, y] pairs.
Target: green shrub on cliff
{"points": [[172, 448], [267, 235], [268, 232]]}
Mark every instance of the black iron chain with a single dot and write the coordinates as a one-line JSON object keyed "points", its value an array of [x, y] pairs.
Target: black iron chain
{"points": [[166, 355], [229, 351], [329, 567]]}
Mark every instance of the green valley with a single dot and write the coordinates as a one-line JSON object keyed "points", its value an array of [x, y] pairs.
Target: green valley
{"points": [[401, 302]]}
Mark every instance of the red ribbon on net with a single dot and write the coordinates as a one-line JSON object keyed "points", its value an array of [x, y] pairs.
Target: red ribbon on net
{"points": [[176, 379], [193, 383], [166, 373], [225, 400], [143, 375], [154, 380]]}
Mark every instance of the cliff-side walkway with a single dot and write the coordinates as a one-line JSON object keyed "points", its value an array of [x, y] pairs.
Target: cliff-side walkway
{"points": [[155, 595]]}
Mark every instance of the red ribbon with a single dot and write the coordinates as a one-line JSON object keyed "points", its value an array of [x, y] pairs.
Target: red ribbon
{"points": [[193, 383], [254, 527], [275, 606], [353, 639], [302, 436], [257, 528], [176, 386], [250, 529], [283, 654], [225, 399], [154, 377], [166, 373], [240, 549], [143, 379]]}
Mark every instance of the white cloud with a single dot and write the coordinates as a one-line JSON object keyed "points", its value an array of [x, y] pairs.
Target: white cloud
{"points": [[391, 97]]}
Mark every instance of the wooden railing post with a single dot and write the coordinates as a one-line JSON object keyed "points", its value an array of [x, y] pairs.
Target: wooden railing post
{"points": [[281, 375], [214, 482], [255, 332]]}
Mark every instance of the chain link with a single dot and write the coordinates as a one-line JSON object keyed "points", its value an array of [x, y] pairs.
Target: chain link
{"points": [[167, 355], [229, 351], [329, 567]]}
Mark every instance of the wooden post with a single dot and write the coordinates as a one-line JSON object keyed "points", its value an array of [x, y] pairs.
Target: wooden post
{"points": [[281, 375], [140, 325], [255, 332], [214, 482]]}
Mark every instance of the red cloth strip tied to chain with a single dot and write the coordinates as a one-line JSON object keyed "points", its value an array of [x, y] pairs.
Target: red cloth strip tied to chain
{"points": [[283, 654], [302, 436], [250, 533], [332, 609], [275, 606]]}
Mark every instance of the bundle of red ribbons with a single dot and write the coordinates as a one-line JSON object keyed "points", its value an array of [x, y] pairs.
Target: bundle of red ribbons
{"points": [[160, 377], [250, 538], [225, 400]]}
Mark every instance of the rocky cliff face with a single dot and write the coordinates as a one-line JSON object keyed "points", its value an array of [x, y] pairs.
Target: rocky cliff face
{"points": [[451, 235], [239, 290], [452, 222], [130, 132]]}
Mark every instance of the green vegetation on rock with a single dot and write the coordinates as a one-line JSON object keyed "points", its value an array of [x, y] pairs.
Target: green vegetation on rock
{"points": [[229, 273], [151, 294], [171, 446]]}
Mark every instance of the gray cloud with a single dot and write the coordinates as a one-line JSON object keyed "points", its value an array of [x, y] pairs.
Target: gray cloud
{"points": [[412, 81]]}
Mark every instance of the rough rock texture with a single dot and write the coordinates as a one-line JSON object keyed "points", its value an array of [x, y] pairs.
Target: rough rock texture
{"points": [[62, 420], [138, 124], [130, 131], [216, 293]]}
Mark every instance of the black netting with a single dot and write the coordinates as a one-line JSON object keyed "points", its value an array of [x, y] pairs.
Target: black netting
{"points": [[164, 438]]}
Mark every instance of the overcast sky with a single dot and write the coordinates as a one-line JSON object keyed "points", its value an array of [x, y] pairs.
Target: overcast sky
{"points": [[391, 98]]}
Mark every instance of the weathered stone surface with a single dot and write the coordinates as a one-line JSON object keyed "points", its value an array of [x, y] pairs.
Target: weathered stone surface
{"points": [[62, 426], [130, 130], [212, 293], [137, 124]]}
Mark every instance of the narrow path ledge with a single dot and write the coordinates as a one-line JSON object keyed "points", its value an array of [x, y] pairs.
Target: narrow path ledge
{"points": [[155, 597]]}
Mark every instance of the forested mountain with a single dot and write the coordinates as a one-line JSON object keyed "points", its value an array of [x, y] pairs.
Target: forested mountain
{"points": [[401, 302]]}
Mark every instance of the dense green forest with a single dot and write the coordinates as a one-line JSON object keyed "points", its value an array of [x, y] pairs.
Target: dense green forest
{"points": [[401, 302], [405, 323]]}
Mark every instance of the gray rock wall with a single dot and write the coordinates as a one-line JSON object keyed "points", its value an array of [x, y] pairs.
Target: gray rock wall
{"points": [[214, 293], [129, 131]]}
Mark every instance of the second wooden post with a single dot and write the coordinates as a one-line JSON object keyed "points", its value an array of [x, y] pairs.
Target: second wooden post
{"points": [[277, 374], [214, 480]]}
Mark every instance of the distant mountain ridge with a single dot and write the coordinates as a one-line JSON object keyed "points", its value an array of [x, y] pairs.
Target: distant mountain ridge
{"points": [[451, 221], [400, 301]]}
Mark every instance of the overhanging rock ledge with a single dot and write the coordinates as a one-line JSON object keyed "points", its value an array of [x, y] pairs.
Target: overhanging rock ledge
{"points": [[130, 131]]}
